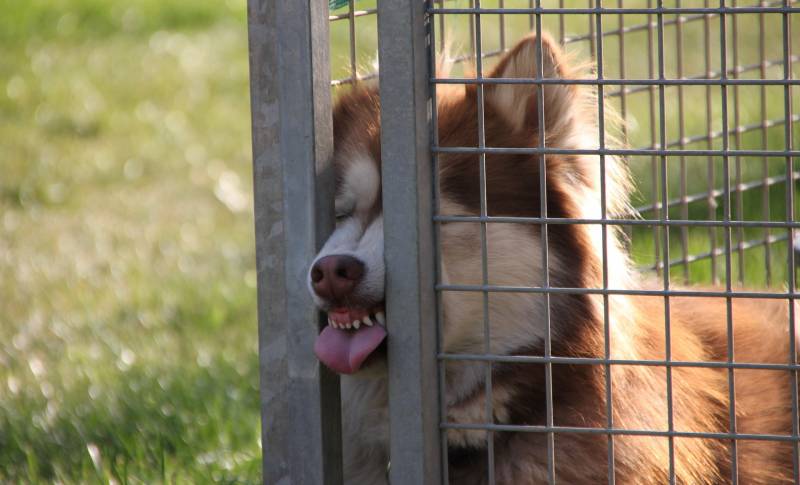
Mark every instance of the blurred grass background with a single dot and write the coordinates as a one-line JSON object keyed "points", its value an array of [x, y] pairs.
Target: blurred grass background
{"points": [[127, 283]]}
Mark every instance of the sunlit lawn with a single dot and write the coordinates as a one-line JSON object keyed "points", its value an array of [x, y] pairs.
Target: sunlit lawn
{"points": [[126, 247], [127, 284]]}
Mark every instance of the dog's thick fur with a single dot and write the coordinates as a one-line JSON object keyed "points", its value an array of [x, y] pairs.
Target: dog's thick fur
{"points": [[636, 324]]}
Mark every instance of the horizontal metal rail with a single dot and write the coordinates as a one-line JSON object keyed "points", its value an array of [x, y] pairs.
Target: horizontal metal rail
{"points": [[619, 151], [617, 82], [619, 222], [614, 11], [541, 359], [711, 75], [741, 246], [357, 13], [704, 196], [616, 291], [617, 431], [351, 79], [647, 25], [741, 129]]}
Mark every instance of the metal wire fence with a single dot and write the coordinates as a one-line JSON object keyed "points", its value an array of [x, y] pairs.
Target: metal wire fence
{"points": [[726, 126], [707, 95]]}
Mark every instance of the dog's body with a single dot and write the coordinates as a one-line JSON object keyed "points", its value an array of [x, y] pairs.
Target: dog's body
{"points": [[347, 281]]}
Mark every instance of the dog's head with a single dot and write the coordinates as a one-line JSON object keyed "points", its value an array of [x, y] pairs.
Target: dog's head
{"points": [[347, 276]]}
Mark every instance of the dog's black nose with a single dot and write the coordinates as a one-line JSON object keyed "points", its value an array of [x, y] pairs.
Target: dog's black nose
{"points": [[335, 277]]}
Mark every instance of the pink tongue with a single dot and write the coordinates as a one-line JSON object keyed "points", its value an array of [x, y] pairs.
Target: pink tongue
{"points": [[345, 350]]}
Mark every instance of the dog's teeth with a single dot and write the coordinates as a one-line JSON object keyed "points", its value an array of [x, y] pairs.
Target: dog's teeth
{"points": [[357, 324], [381, 318], [348, 325], [367, 321]]}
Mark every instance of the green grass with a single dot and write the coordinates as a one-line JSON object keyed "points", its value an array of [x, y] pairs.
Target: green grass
{"points": [[127, 284], [126, 256]]}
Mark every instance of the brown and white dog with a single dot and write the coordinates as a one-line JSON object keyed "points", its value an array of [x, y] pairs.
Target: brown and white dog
{"points": [[347, 281]]}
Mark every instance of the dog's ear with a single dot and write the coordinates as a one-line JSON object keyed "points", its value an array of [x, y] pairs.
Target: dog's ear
{"points": [[518, 104]]}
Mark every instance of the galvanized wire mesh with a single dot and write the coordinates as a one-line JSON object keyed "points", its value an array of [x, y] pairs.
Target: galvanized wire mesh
{"points": [[670, 144], [353, 44]]}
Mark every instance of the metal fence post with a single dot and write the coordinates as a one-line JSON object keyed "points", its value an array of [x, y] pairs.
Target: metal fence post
{"points": [[292, 146], [403, 36]]}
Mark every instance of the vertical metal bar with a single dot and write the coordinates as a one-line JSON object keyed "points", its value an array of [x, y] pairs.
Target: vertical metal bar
{"points": [[726, 213], [651, 93], [623, 102], [484, 244], [682, 145], [472, 30], [548, 366], [443, 34], [404, 47], [531, 17], [432, 61], [592, 47], [601, 127], [710, 201], [502, 28], [292, 145], [790, 195], [351, 21], [765, 210], [737, 140], [662, 128]]}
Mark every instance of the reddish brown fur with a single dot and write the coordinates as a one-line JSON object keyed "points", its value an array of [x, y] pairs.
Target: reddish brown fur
{"points": [[700, 397]]}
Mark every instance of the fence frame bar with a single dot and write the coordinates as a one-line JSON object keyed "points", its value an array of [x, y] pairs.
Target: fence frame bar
{"points": [[404, 34], [293, 183]]}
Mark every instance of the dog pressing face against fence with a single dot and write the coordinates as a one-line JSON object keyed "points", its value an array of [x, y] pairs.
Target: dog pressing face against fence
{"points": [[686, 409]]}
